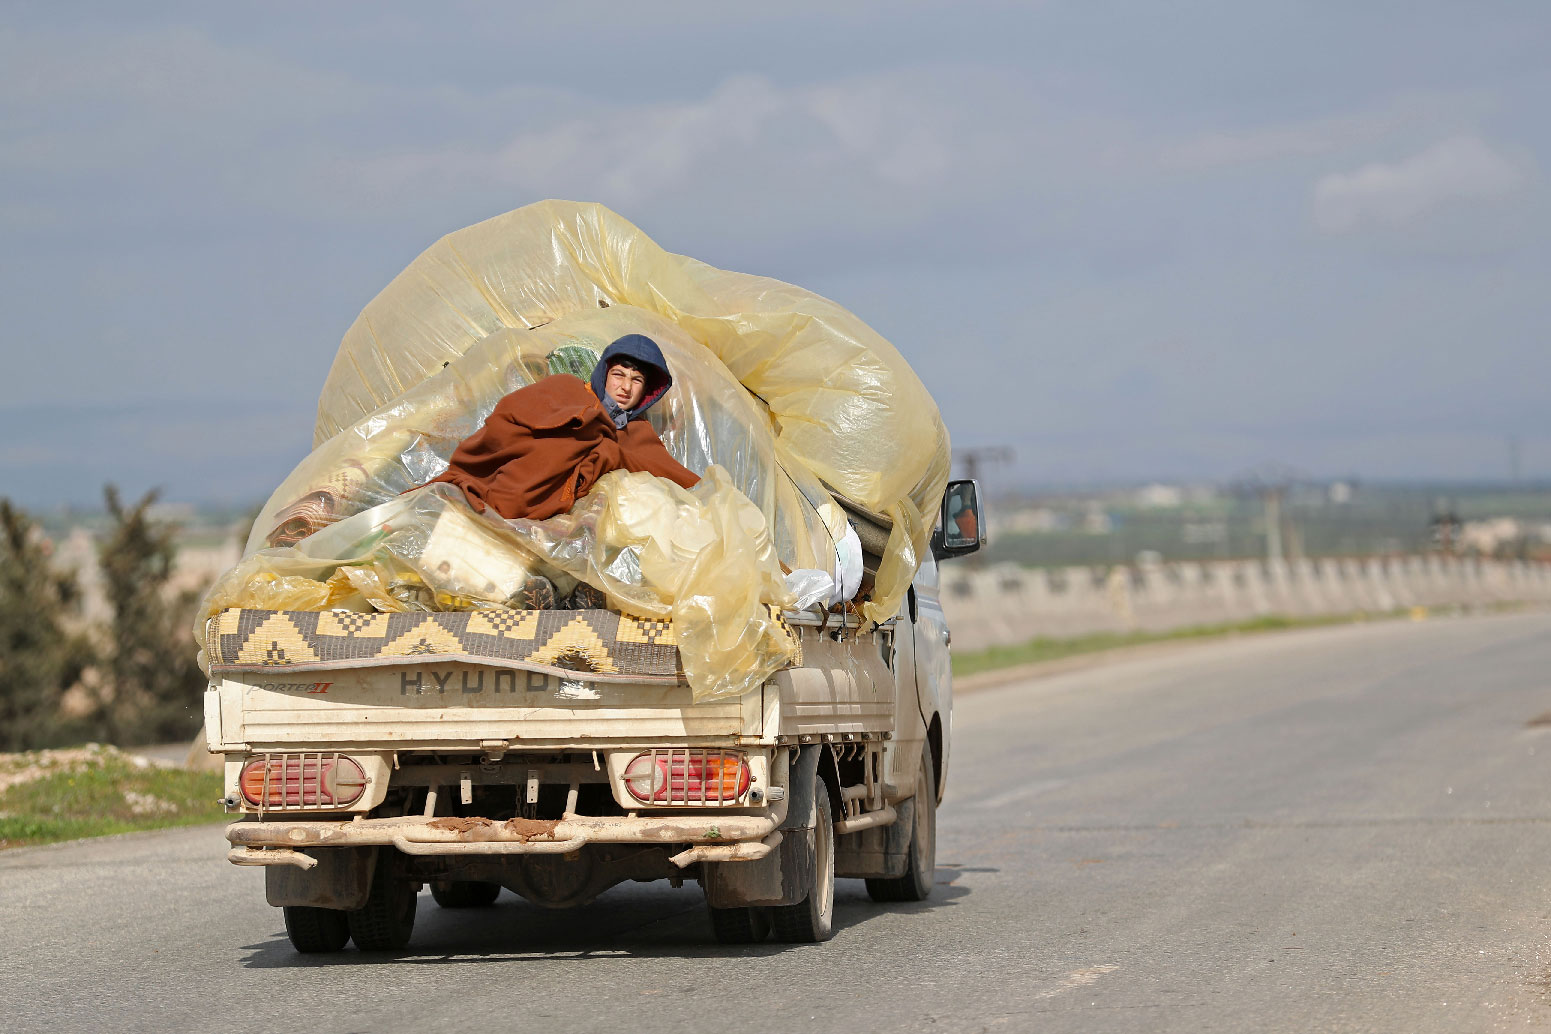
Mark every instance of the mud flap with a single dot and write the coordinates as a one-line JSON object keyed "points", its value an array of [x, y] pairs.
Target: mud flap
{"points": [[341, 879], [785, 875], [880, 851]]}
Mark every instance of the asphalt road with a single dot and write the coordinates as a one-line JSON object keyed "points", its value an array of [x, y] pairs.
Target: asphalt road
{"points": [[1344, 830]]}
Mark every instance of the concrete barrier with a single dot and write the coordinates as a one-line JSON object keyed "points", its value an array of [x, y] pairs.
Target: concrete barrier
{"points": [[1006, 604]]}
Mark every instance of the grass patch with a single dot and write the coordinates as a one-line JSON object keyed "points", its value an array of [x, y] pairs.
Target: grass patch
{"points": [[104, 792], [1043, 649]]}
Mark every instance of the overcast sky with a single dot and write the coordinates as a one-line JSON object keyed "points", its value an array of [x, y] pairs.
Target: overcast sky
{"points": [[1130, 241]]}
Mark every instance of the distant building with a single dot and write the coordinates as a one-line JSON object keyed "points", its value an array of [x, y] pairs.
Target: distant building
{"points": [[1035, 520], [1159, 497], [1496, 536]]}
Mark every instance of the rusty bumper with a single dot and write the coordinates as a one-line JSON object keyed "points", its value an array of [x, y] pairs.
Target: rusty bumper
{"points": [[711, 837]]}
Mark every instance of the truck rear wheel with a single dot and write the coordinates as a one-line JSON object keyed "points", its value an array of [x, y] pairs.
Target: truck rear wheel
{"points": [[916, 883], [740, 925], [387, 919], [316, 930], [813, 918], [465, 893]]}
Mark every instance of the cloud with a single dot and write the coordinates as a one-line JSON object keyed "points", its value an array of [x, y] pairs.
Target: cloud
{"points": [[1400, 116], [131, 98], [932, 162], [172, 130], [169, 129], [1216, 150], [890, 131], [1462, 168]]}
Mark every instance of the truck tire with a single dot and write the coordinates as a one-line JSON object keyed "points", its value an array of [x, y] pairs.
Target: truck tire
{"points": [[812, 919], [465, 893], [916, 883], [739, 925], [316, 930], [387, 919]]}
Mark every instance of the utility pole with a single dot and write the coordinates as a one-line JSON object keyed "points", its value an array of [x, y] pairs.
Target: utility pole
{"points": [[1271, 496], [1270, 482], [973, 458]]}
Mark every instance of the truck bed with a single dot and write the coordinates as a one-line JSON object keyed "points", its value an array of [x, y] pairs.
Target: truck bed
{"points": [[559, 678]]}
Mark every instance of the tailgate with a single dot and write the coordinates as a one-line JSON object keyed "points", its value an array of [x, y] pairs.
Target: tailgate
{"points": [[448, 704], [547, 677]]}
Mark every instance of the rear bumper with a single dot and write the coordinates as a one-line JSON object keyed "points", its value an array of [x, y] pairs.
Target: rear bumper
{"points": [[709, 837]]}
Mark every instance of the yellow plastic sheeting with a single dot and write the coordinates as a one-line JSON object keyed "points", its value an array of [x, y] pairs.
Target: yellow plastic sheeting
{"points": [[415, 552], [844, 402], [702, 557], [341, 530], [708, 418]]}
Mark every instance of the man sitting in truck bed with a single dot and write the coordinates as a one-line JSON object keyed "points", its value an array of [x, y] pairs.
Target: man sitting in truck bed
{"points": [[545, 446]]}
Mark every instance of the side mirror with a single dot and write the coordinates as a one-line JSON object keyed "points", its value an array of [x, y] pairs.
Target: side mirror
{"points": [[960, 525]]}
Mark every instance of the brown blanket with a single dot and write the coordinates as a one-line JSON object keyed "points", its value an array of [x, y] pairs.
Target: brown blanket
{"points": [[546, 445]]}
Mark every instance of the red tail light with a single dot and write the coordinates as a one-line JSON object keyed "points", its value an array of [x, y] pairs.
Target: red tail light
{"points": [[688, 777], [302, 781]]}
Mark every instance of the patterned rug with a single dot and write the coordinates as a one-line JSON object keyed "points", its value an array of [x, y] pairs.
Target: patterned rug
{"points": [[607, 645]]}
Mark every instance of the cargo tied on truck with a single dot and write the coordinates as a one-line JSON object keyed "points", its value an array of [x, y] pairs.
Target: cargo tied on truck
{"points": [[738, 676]]}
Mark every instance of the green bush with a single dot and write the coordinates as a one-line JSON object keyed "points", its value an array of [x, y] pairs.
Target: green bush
{"points": [[107, 793], [40, 657]]}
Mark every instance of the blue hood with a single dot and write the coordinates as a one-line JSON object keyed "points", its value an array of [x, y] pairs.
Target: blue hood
{"points": [[645, 352]]}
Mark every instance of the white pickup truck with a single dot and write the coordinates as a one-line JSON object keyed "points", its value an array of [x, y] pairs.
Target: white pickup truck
{"points": [[557, 753]]}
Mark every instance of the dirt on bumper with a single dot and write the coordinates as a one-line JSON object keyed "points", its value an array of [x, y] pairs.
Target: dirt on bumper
{"points": [[515, 835]]}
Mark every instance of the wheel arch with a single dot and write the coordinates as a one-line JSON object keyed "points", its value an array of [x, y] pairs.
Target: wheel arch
{"points": [[934, 743]]}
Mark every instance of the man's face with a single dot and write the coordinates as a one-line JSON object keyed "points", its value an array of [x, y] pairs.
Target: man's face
{"points": [[625, 386]]}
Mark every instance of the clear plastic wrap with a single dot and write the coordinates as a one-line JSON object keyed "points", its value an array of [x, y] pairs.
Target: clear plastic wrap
{"points": [[780, 397], [341, 532], [845, 404], [707, 418], [702, 557]]}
